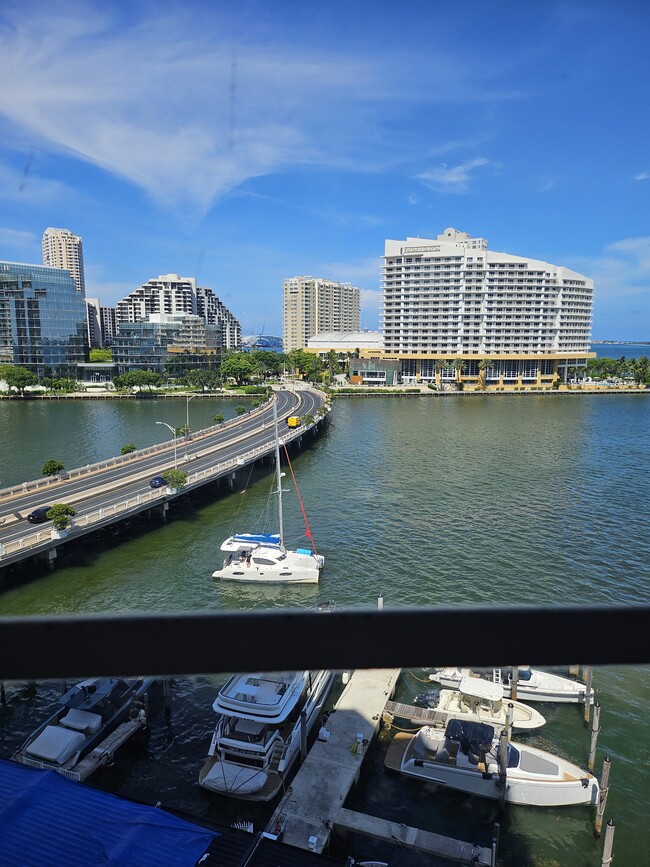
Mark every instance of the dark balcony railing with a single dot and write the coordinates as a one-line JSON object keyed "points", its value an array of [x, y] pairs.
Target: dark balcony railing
{"points": [[42, 648]]}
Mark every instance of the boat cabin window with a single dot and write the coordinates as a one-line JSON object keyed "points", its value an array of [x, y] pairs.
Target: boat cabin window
{"points": [[262, 561]]}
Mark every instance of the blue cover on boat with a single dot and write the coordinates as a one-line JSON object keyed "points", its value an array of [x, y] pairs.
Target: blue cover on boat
{"points": [[49, 821], [261, 538]]}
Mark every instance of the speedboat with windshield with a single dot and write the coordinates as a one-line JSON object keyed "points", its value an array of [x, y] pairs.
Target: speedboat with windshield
{"points": [[466, 756], [263, 719]]}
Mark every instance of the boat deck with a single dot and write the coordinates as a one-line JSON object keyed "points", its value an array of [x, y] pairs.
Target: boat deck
{"points": [[97, 758]]}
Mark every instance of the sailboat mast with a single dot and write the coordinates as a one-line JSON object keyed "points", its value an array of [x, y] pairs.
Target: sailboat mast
{"points": [[277, 470]]}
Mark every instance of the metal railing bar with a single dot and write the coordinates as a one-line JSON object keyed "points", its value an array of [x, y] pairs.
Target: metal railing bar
{"points": [[184, 643]]}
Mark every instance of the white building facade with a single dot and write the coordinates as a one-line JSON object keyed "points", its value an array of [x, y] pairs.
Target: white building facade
{"points": [[453, 298], [63, 249], [312, 305], [172, 294]]}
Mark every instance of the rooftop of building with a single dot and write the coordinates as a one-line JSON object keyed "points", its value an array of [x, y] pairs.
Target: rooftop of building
{"points": [[355, 339]]}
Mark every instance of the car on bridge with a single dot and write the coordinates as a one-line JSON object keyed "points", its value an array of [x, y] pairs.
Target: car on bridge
{"points": [[38, 516], [157, 482]]}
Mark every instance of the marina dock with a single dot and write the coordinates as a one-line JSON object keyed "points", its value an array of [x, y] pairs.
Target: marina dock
{"points": [[314, 799], [313, 804]]}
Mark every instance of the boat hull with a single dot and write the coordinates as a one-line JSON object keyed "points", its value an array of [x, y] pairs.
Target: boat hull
{"points": [[552, 688], [255, 576], [540, 780]]}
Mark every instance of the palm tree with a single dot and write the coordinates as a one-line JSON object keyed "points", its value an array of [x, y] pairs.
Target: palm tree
{"points": [[461, 367], [439, 366], [483, 366]]}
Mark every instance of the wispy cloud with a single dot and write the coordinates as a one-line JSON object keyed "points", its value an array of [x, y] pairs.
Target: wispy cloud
{"points": [[622, 269], [362, 272], [642, 176], [453, 179], [545, 184], [17, 240], [29, 187], [188, 107]]}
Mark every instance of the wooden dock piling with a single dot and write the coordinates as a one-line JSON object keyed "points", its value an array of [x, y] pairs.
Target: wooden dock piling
{"points": [[602, 797], [595, 730], [608, 845], [503, 767], [588, 672], [514, 680]]}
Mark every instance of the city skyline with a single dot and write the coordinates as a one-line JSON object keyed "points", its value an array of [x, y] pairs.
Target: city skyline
{"points": [[271, 143]]}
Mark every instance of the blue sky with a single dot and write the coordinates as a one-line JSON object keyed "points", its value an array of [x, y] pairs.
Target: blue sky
{"points": [[247, 142]]}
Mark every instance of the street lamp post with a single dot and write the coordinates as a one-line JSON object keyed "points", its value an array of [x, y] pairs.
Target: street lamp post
{"points": [[188, 398], [174, 435]]}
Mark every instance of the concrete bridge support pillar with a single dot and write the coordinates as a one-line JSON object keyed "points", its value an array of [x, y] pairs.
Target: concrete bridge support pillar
{"points": [[231, 481], [164, 508]]}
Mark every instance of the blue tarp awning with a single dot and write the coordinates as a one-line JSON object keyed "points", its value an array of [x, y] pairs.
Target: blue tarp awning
{"points": [[49, 821]]}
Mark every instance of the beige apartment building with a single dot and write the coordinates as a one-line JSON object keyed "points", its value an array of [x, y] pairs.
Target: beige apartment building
{"points": [[62, 249], [312, 305]]}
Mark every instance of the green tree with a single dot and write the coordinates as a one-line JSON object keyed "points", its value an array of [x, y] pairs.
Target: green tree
{"points": [[52, 468], [483, 366], [332, 362], [240, 410], [218, 418], [175, 478], [181, 431], [140, 379], [101, 356], [18, 377], [60, 515], [268, 363], [204, 379], [640, 370], [128, 448], [305, 363], [238, 366], [460, 367]]}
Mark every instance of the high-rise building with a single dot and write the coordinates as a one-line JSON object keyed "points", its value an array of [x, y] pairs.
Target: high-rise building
{"points": [[43, 324], [108, 323], [454, 298], [62, 249], [93, 313], [167, 341], [312, 305], [171, 294]]}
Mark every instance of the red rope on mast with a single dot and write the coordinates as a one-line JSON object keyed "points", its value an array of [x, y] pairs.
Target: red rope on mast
{"points": [[302, 508]]}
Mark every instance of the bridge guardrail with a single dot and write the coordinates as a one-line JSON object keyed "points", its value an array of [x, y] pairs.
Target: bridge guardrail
{"points": [[135, 504], [35, 484]]}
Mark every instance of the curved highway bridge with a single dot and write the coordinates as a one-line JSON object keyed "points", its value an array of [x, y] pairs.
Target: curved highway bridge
{"points": [[117, 489]]}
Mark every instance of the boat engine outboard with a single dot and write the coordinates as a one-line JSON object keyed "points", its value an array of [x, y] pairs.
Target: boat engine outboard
{"points": [[427, 699]]}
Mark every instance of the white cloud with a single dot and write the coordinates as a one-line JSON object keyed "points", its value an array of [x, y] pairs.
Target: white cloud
{"points": [[29, 188], [189, 106], [642, 176], [546, 183], [360, 272], [452, 179], [17, 240], [622, 269]]}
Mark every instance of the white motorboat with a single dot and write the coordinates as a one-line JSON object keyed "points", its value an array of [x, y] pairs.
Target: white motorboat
{"points": [[262, 557], [465, 756], [480, 701], [532, 684], [259, 731], [95, 718]]}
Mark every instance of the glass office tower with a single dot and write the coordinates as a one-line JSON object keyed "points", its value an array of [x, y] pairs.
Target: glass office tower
{"points": [[42, 320]]}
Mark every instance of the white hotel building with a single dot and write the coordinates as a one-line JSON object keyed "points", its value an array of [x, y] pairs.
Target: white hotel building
{"points": [[453, 299]]}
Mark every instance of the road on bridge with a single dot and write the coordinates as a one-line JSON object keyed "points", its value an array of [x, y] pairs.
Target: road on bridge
{"points": [[101, 487]]}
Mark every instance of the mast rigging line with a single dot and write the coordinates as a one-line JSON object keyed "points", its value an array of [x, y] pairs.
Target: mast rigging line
{"points": [[302, 508]]}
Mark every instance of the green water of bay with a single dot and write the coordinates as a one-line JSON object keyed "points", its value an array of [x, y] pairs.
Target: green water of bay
{"points": [[431, 501]]}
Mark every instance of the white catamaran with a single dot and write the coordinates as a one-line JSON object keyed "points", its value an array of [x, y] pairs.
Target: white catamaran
{"points": [[262, 557]]}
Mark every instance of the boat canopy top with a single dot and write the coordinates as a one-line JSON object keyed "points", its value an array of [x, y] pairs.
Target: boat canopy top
{"points": [[248, 541], [476, 687], [470, 732]]}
